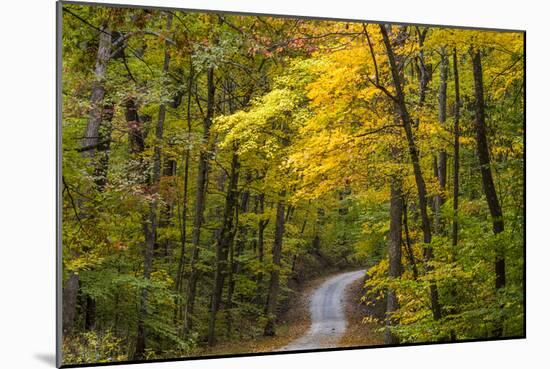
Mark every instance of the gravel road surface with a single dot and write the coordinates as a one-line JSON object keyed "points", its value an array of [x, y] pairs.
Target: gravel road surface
{"points": [[328, 321]]}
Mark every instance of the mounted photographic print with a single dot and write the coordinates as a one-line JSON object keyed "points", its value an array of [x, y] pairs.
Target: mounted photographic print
{"points": [[240, 184]]}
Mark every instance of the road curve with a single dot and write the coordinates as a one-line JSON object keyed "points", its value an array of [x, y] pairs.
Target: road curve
{"points": [[326, 307]]}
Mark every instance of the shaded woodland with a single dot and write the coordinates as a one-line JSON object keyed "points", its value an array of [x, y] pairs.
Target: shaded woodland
{"points": [[211, 163]]}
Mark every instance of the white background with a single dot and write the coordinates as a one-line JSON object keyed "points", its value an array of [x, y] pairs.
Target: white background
{"points": [[27, 182]]}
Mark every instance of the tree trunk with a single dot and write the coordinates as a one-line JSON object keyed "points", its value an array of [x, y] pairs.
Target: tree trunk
{"points": [[95, 116], [136, 142], [442, 157], [485, 167], [407, 242], [394, 253], [273, 290], [223, 243], [295, 256], [456, 168], [425, 70], [95, 145], [419, 179], [456, 153], [164, 249], [150, 221], [262, 224], [234, 265], [183, 220], [89, 323], [200, 203], [70, 293]]}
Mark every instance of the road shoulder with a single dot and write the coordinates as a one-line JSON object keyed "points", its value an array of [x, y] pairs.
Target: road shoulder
{"points": [[357, 332]]}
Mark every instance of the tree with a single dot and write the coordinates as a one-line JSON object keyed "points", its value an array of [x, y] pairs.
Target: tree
{"points": [[486, 175], [200, 199], [441, 161], [274, 280], [399, 99], [150, 221], [223, 244], [394, 252], [95, 145], [456, 150]]}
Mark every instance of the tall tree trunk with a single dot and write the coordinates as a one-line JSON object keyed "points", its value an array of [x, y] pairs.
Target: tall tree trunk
{"points": [[262, 224], [456, 168], [150, 221], [200, 202], [425, 70], [95, 145], [224, 241], [234, 265], [295, 256], [419, 179], [407, 243], [485, 167], [183, 220], [89, 322], [394, 254], [456, 153], [70, 293], [164, 249], [136, 142], [232, 271], [91, 137], [442, 157], [101, 168], [273, 291]]}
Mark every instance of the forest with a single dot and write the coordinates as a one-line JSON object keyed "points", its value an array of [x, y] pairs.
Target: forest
{"points": [[212, 164]]}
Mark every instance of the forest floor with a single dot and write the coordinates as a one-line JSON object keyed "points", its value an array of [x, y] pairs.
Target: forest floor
{"points": [[296, 323]]}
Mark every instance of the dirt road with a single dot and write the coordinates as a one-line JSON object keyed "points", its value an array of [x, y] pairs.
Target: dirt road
{"points": [[328, 321]]}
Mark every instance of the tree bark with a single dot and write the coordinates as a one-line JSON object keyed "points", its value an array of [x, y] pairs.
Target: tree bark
{"points": [[136, 142], [94, 145], [425, 70], [485, 167], [223, 243], [439, 199], [456, 152], [70, 293], [262, 225], [200, 202], [456, 168], [183, 221], [273, 290], [164, 248], [407, 242], [236, 249], [419, 178], [95, 116], [89, 322], [150, 221], [394, 255]]}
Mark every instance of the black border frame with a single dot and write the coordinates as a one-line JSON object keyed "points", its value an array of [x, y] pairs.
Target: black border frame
{"points": [[58, 212]]}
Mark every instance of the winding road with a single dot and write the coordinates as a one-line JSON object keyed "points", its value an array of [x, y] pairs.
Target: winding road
{"points": [[328, 320]]}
